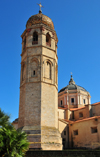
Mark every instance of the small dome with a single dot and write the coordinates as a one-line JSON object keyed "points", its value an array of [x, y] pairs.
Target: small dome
{"points": [[72, 86], [38, 19]]}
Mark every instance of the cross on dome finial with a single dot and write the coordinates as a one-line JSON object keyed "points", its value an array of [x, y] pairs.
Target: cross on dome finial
{"points": [[71, 80], [71, 74], [40, 5]]}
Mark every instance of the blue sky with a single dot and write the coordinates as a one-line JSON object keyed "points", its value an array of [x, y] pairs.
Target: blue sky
{"points": [[77, 23]]}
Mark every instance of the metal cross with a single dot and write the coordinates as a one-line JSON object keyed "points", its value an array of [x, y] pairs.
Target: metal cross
{"points": [[40, 6]]}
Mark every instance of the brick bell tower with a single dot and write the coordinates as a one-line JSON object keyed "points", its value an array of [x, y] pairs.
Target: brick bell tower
{"points": [[38, 115]]}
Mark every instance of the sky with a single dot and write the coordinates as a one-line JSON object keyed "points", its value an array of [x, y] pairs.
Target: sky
{"points": [[77, 24]]}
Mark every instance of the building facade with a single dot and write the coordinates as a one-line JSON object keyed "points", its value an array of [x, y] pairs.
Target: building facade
{"points": [[38, 115], [79, 121], [49, 118]]}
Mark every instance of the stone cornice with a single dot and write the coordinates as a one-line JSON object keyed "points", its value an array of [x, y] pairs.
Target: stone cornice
{"points": [[38, 82]]}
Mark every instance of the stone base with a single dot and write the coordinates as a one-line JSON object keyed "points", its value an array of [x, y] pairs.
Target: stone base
{"points": [[34, 136], [48, 138]]}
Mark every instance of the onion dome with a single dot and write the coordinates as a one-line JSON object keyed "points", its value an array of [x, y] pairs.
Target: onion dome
{"points": [[40, 19], [72, 86]]}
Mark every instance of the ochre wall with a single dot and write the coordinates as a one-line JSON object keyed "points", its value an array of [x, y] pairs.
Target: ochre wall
{"points": [[85, 112], [96, 110], [63, 127], [84, 138]]}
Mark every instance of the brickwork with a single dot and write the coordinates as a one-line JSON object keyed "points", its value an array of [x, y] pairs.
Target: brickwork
{"points": [[38, 115]]}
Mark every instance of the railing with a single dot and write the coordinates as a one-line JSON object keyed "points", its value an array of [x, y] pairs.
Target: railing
{"points": [[48, 44]]}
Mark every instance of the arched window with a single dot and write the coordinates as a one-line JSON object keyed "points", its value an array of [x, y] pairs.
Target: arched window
{"points": [[24, 46], [48, 70], [23, 72], [56, 73], [48, 40], [35, 38], [34, 67]]}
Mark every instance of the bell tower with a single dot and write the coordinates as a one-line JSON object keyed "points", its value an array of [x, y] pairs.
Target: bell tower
{"points": [[38, 115]]}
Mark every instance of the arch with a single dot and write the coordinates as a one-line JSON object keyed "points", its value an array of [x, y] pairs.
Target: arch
{"points": [[35, 38], [35, 59], [48, 69], [56, 72], [24, 45], [34, 67], [23, 72], [48, 40]]}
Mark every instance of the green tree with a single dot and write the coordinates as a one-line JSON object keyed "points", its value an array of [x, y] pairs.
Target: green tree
{"points": [[12, 143], [4, 119]]}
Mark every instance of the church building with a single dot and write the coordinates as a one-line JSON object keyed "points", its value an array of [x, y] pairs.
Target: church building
{"points": [[52, 120]]}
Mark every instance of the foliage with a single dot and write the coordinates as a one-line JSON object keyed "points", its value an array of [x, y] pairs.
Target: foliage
{"points": [[12, 143], [4, 119]]}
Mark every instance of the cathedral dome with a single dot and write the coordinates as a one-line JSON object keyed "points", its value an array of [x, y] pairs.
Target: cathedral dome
{"points": [[38, 19], [72, 86]]}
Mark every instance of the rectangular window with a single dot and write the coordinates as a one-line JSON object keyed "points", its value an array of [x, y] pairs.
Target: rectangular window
{"points": [[94, 130], [72, 100], [64, 132], [72, 114], [75, 132], [83, 101], [34, 72], [80, 114], [64, 139], [61, 102]]}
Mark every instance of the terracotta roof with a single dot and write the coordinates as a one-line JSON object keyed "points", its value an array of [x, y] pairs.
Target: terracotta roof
{"points": [[15, 121], [71, 122], [74, 109], [63, 120], [97, 103], [62, 108], [67, 120]]}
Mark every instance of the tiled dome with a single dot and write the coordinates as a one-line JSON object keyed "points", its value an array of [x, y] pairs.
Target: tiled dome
{"points": [[38, 19], [72, 86]]}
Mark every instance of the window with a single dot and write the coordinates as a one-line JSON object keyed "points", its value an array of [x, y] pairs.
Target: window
{"points": [[48, 40], [93, 129], [83, 101], [34, 67], [24, 43], [72, 100], [64, 132], [75, 132], [61, 102], [80, 114], [35, 38], [23, 72], [33, 72], [72, 114], [49, 70], [64, 139]]}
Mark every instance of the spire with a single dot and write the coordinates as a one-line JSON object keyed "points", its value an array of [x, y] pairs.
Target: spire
{"points": [[71, 80], [40, 5]]}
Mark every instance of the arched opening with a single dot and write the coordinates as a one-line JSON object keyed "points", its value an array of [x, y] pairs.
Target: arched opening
{"points": [[35, 38], [56, 73], [34, 67], [34, 72], [24, 46], [48, 40], [48, 70], [23, 72]]}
